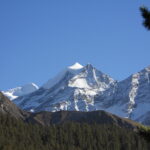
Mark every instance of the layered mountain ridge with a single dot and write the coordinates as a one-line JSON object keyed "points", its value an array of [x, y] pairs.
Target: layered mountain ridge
{"points": [[9, 110], [20, 91], [84, 88]]}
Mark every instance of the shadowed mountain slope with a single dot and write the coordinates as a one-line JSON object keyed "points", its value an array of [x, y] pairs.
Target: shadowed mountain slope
{"points": [[94, 117], [7, 107]]}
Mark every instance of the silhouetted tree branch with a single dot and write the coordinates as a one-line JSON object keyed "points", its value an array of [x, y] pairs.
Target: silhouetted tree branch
{"points": [[146, 15]]}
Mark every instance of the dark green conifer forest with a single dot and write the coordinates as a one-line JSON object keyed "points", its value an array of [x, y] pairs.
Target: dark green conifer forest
{"points": [[17, 135]]}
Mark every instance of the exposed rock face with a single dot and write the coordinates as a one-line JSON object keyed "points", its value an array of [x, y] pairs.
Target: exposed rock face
{"points": [[7, 107]]}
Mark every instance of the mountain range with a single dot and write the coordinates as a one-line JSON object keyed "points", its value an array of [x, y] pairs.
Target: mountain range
{"points": [[84, 88], [20, 91], [8, 108]]}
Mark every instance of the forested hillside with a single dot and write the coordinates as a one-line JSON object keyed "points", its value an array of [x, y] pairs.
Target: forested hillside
{"points": [[17, 135]]}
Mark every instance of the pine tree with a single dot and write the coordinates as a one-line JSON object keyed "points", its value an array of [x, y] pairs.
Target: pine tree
{"points": [[146, 15]]}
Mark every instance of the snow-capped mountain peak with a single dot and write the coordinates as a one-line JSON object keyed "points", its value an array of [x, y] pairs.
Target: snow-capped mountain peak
{"points": [[20, 91], [72, 70], [72, 89], [79, 76], [91, 78], [30, 87], [76, 66]]}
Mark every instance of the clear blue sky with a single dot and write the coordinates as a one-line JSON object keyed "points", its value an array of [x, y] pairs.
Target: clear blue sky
{"points": [[38, 38]]}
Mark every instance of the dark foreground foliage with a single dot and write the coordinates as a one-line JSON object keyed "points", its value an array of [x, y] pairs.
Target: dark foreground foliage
{"points": [[146, 15], [17, 135], [144, 131]]}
